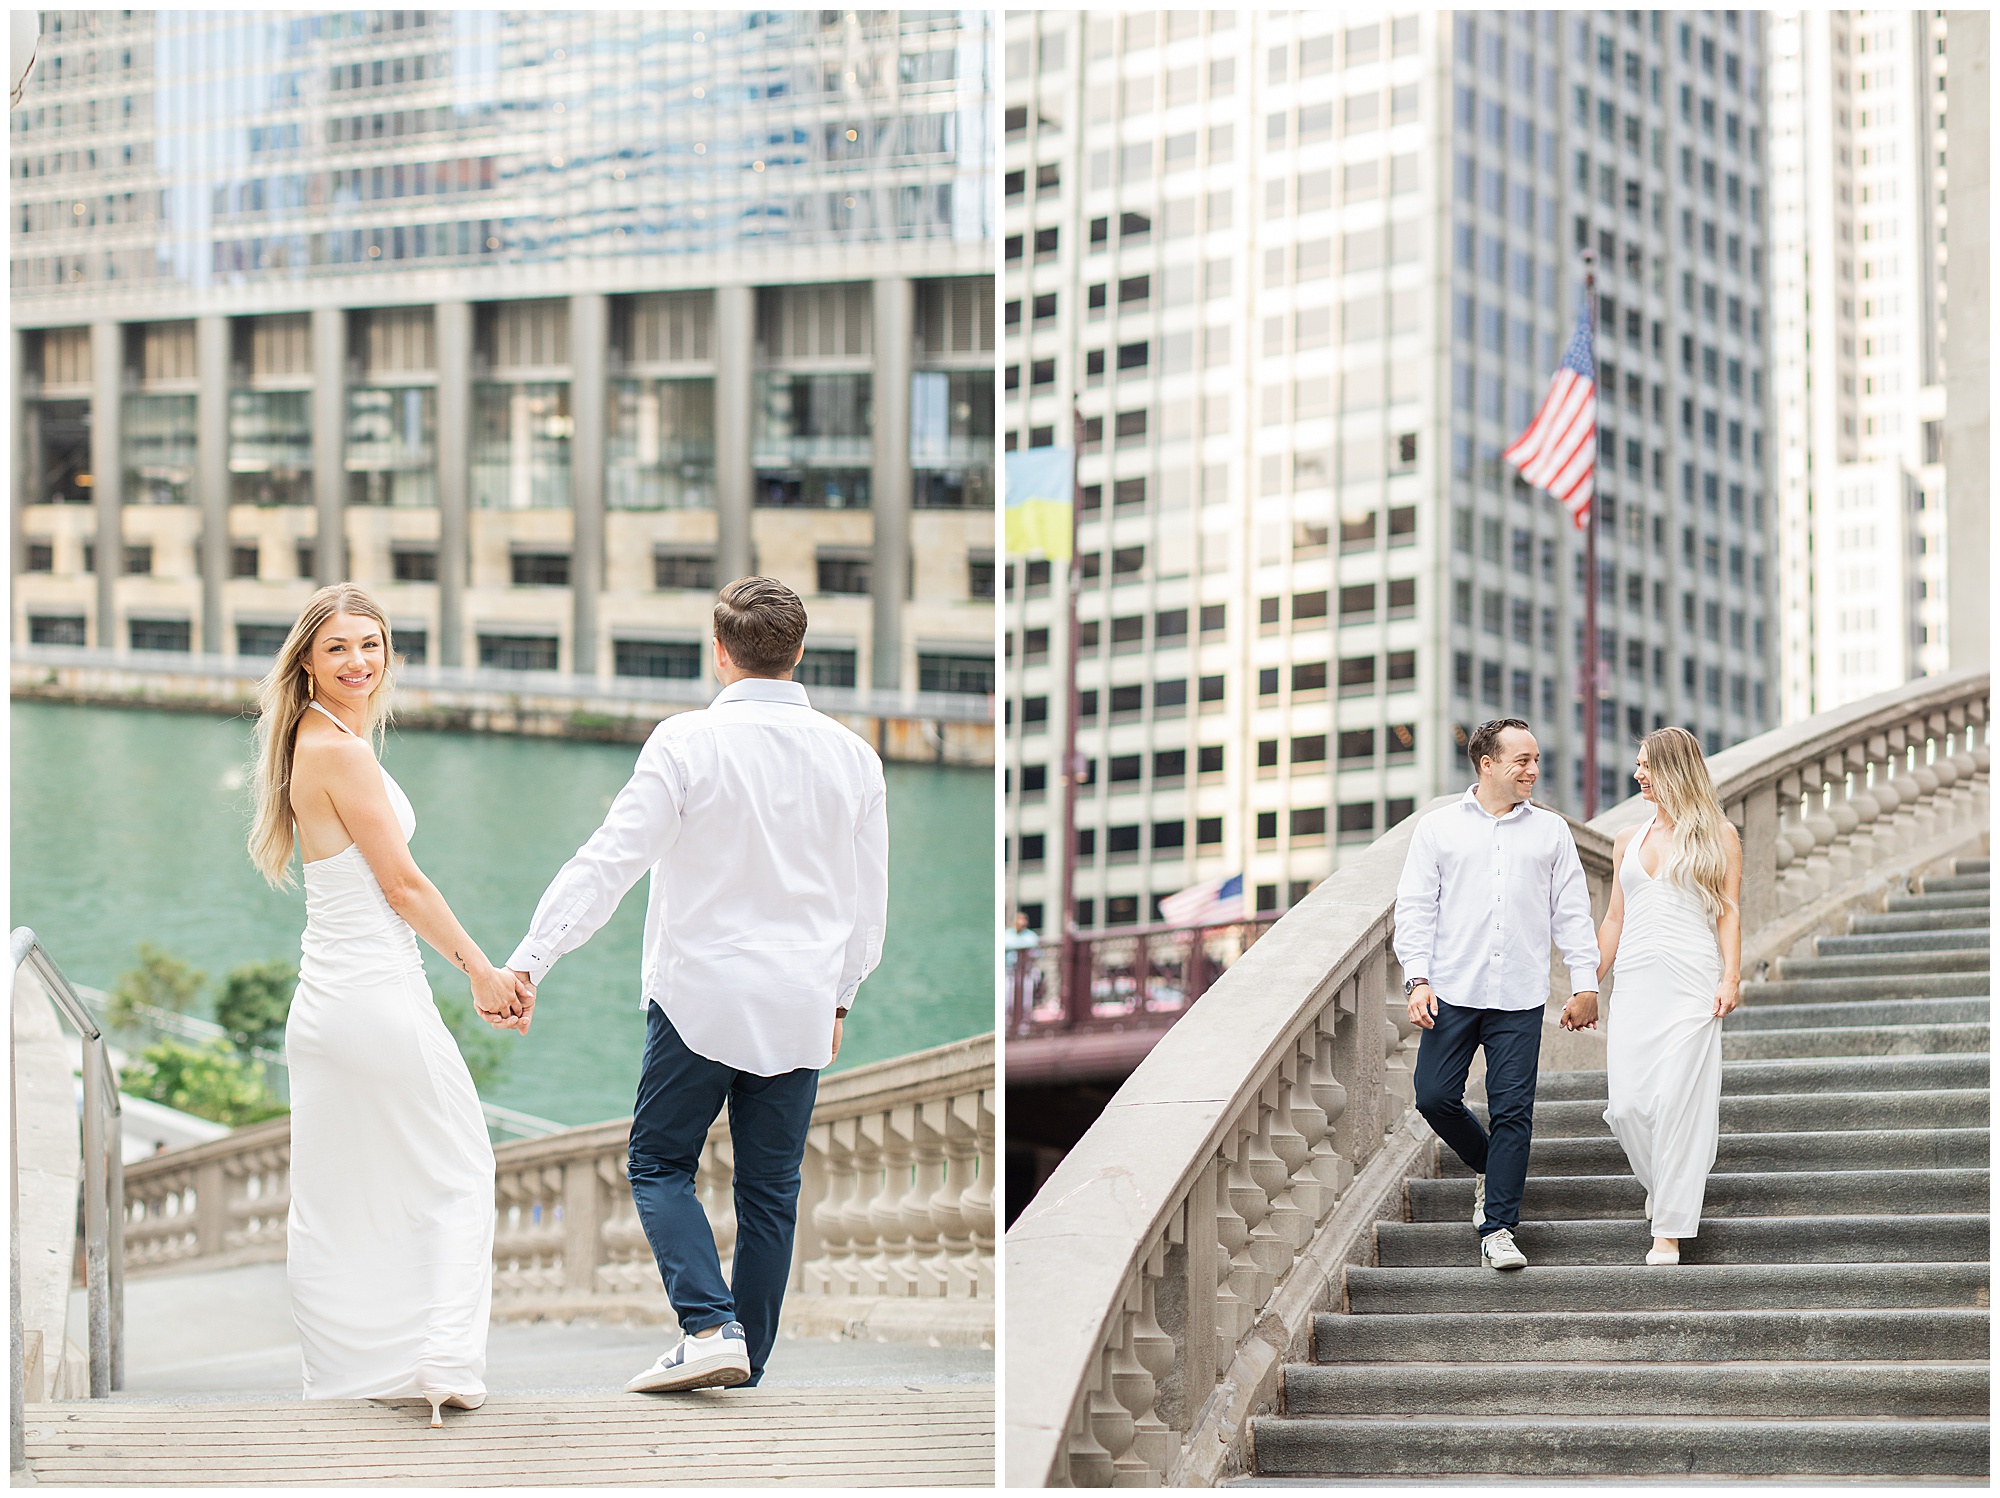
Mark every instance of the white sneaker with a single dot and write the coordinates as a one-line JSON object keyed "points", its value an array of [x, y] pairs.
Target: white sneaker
{"points": [[1497, 1251], [1478, 1200], [718, 1362]]}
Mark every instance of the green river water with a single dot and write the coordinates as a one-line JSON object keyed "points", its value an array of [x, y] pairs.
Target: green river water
{"points": [[128, 826]]}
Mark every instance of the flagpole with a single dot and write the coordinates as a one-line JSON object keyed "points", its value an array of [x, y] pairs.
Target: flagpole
{"points": [[1588, 667], [1076, 1003]]}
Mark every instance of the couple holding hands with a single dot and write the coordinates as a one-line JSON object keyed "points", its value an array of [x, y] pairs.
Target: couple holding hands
{"points": [[1488, 883], [763, 826]]}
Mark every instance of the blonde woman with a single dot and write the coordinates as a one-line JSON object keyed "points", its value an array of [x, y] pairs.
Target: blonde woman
{"points": [[1674, 931], [390, 1241]]}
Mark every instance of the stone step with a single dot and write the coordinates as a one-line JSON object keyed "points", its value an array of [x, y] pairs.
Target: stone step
{"points": [[1973, 899], [1686, 1287], [1885, 964], [1729, 1194], [1578, 1444], [1919, 920], [1887, 986], [1932, 1108], [1802, 1390], [1651, 1336], [1854, 1040], [1860, 1149], [1964, 938], [1951, 884], [1813, 1074], [1862, 1012], [1963, 866], [1937, 1238]]}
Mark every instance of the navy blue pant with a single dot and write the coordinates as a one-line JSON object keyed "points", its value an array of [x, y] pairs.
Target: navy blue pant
{"points": [[680, 1095], [1513, 1042]]}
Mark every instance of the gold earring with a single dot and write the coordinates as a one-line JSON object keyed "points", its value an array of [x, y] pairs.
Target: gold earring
{"points": [[309, 686]]}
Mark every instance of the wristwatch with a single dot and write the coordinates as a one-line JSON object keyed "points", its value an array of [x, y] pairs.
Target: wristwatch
{"points": [[840, 1014], [1410, 985]]}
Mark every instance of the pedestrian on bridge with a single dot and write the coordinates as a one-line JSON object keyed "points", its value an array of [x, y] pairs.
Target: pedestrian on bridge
{"points": [[763, 824], [1487, 882]]}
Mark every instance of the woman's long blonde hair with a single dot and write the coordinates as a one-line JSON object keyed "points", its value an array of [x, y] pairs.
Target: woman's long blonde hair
{"points": [[282, 699], [1697, 855]]}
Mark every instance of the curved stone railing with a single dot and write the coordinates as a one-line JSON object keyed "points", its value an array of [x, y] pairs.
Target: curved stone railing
{"points": [[896, 1201], [1173, 1262]]}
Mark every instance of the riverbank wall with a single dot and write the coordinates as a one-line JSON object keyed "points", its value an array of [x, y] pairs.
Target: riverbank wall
{"points": [[939, 728]]}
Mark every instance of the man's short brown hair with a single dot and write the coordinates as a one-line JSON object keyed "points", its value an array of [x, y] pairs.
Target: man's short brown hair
{"points": [[761, 623], [1485, 741]]}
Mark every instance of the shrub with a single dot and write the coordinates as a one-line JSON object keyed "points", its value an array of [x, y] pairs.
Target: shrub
{"points": [[256, 998], [209, 1081]]}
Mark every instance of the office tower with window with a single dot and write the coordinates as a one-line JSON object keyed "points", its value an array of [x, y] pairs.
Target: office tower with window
{"points": [[538, 325], [1858, 182], [1303, 276]]}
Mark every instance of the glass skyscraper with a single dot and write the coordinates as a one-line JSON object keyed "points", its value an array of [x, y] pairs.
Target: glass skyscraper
{"points": [[539, 324]]}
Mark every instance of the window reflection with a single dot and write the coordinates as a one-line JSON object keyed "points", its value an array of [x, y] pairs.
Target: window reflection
{"points": [[270, 447], [661, 452], [391, 456], [951, 439], [159, 443], [813, 445], [520, 446]]}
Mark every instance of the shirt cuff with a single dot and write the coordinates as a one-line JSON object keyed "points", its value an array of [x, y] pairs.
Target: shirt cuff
{"points": [[530, 960], [1584, 980]]}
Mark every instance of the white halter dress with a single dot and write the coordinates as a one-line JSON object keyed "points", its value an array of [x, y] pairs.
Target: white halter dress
{"points": [[1663, 1044], [390, 1245]]}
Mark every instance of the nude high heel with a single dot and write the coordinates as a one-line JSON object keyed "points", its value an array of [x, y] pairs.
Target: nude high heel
{"points": [[439, 1398]]}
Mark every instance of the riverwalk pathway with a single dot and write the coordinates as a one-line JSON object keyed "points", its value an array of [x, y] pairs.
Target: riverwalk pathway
{"points": [[211, 1397]]}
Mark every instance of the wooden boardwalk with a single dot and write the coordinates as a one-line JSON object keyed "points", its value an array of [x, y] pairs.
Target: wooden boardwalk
{"points": [[824, 1436]]}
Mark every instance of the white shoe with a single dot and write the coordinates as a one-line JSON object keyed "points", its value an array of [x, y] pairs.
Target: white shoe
{"points": [[1663, 1256], [718, 1362], [1478, 1200], [1497, 1251]]}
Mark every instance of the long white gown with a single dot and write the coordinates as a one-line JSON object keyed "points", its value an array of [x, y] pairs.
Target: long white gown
{"points": [[1663, 1043], [390, 1242]]}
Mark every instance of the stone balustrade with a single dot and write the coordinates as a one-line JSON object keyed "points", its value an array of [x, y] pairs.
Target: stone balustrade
{"points": [[1174, 1261], [896, 1198]]}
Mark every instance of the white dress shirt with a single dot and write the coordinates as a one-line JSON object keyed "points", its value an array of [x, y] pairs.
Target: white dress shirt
{"points": [[1480, 898], [764, 825]]}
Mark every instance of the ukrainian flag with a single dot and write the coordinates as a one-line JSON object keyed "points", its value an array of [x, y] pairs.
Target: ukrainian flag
{"points": [[1040, 495]]}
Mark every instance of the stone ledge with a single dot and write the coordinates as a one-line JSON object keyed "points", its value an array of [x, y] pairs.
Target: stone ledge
{"points": [[874, 1318]]}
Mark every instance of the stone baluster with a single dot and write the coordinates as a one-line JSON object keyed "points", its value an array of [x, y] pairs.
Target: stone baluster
{"points": [[1271, 1249], [943, 1272], [1132, 1384], [1799, 887], [1086, 1463], [1900, 780], [1819, 862], [1290, 1221], [1926, 777], [1886, 831], [1840, 852], [855, 1215], [1232, 1235], [977, 1202], [1979, 751], [836, 1168], [1334, 1169], [1154, 1349], [1110, 1421], [918, 1226], [1247, 1275], [1399, 1078], [1313, 1195], [1961, 761], [1944, 802], [715, 1180], [885, 1207], [1863, 846]]}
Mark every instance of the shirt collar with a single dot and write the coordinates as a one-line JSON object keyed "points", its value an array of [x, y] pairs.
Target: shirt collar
{"points": [[761, 689], [1471, 800]]}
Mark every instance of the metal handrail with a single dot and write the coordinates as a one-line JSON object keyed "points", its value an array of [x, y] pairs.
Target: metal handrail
{"points": [[103, 1190]]}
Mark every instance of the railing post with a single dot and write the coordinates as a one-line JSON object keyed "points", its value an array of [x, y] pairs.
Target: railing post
{"points": [[583, 1226], [1759, 894], [96, 1219], [211, 1208]]}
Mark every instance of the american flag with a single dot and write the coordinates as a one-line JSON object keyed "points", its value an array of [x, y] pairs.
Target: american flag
{"points": [[1558, 452], [1211, 903]]}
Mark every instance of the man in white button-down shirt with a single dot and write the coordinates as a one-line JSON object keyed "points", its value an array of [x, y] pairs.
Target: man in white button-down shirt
{"points": [[1487, 883], [763, 825]]}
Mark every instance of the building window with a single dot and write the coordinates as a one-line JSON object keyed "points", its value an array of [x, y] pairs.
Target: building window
{"points": [[518, 652], [684, 567], [243, 560], [391, 447], [841, 571], [412, 646], [951, 440], [41, 556], [412, 564], [139, 562], [159, 449], [831, 667], [670, 660], [1356, 821], [941, 672], [660, 453], [979, 574], [56, 629], [540, 569], [159, 634], [520, 446]]}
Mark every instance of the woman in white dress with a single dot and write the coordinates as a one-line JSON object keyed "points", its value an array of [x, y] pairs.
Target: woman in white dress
{"points": [[390, 1242], [1674, 931]]}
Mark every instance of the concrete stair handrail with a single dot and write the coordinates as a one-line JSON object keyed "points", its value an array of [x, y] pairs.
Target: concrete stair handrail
{"points": [[1175, 1259], [896, 1201]]}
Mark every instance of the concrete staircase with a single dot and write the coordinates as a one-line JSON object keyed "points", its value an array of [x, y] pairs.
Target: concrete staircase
{"points": [[1830, 1320]]}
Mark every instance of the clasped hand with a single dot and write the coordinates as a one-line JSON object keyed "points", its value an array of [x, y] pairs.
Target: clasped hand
{"points": [[504, 998]]}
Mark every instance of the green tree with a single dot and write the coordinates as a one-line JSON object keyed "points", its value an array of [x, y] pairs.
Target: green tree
{"points": [[256, 998], [160, 981], [484, 1048], [209, 1081]]}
